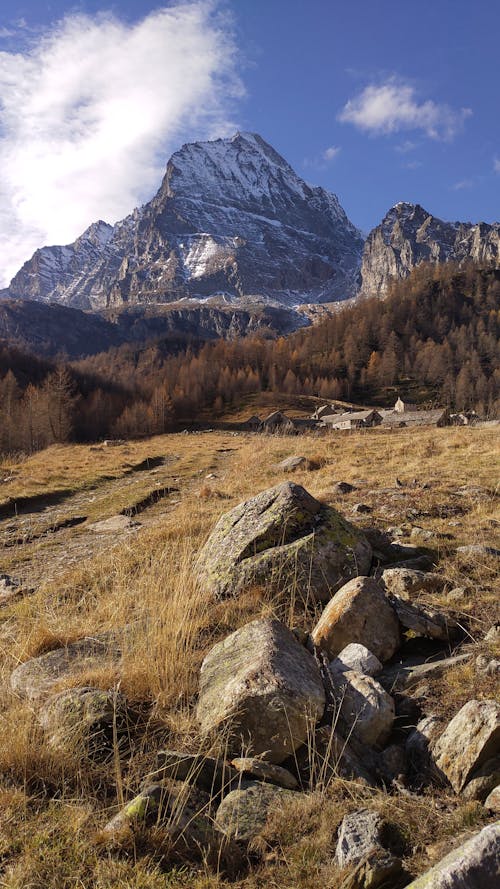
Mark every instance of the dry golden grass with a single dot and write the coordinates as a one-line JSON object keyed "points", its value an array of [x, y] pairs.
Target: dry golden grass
{"points": [[142, 587]]}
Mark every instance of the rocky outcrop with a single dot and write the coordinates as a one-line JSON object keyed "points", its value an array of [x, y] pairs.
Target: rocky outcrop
{"points": [[286, 540], [261, 691], [409, 235], [243, 813], [231, 216]]}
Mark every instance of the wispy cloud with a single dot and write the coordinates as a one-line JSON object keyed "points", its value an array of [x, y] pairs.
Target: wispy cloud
{"points": [[496, 164], [412, 165], [406, 146], [393, 106], [331, 153], [462, 184], [91, 110]]}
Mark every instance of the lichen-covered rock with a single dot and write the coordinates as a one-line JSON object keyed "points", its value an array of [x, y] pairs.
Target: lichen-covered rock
{"points": [[470, 739], [473, 865], [483, 780], [265, 771], [244, 812], [357, 657], [359, 612], [262, 690], [9, 588], [37, 677], [286, 540], [360, 839], [492, 801], [417, 747], [87, 721], [290, 464], [366, 710]]}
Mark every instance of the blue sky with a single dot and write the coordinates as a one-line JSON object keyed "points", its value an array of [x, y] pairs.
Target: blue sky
{"points": [[376, 101]]}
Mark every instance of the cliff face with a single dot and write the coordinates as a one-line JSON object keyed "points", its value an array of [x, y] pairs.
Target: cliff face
{"points": [[408, 235], [231, 217]]}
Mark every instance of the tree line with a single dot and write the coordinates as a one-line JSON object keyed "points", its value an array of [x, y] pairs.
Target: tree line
{"points": [[436, 333]]}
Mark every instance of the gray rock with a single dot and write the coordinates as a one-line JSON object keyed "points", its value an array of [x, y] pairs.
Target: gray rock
{"points": [[406, 582], [265, 771], [392, 763], [360, 612], [37, 677], [262, 689], [417, 746], [362, 508], [244, 812], [87, 721], [407, 675], [365, 708], [471, 738], [343, 488], [286, 540], [357, 657], [423, 621], [473, 865], [331, 756], [115, 524], [9, 588], [359, 834], [492, 801], [478, 550], [290, 464], [483, 780], [492, 637], [423, 534]]}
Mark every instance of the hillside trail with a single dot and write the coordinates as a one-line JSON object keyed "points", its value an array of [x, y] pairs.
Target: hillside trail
{"points": [[46, 534]]}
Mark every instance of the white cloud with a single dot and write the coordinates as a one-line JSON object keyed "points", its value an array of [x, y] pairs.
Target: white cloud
{"points": [[496, 164], [406, 146], [331, 153], [463, 184], [91, 110], [393, 106]]}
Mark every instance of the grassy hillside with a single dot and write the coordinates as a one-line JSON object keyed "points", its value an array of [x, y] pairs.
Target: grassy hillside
{"points": [[140, 585]]}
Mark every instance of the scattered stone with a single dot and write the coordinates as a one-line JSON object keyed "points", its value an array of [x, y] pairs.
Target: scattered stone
{"points": [[406, 582], [407, 675], [423, 621], [359, 834], [418, 533], [392, 763], [285, 539], [360, 613], [357, 657], [365, 708], [471, 738], [265, 771], [262, 689], [87, 720], [214, 776], [362, 508], [37, 677], [492, 802], [478, 549], [113, 525], [473, 865], [492, 637], [9, 588], [343, 488], [457, 594], [290, 464], [483, 780], [489, 666], [243, 813]]}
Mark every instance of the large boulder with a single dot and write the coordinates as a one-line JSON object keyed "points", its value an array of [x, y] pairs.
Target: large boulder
{"points": [[423, 621], [285, 539], [359, 612], [474, 865], [262, 690], [407, 582], [469, 740], [39, 676], [357, 657]]}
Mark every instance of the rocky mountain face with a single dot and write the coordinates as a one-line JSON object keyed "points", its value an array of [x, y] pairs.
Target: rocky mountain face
{"points": [[55, 330], [409, 235], [231, 217]]}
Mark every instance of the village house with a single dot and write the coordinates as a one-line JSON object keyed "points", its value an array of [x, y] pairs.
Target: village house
{"points": [[323, 411], [253, 423], [439, 417], [403, 407], [277, 422], [353, 420]]}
